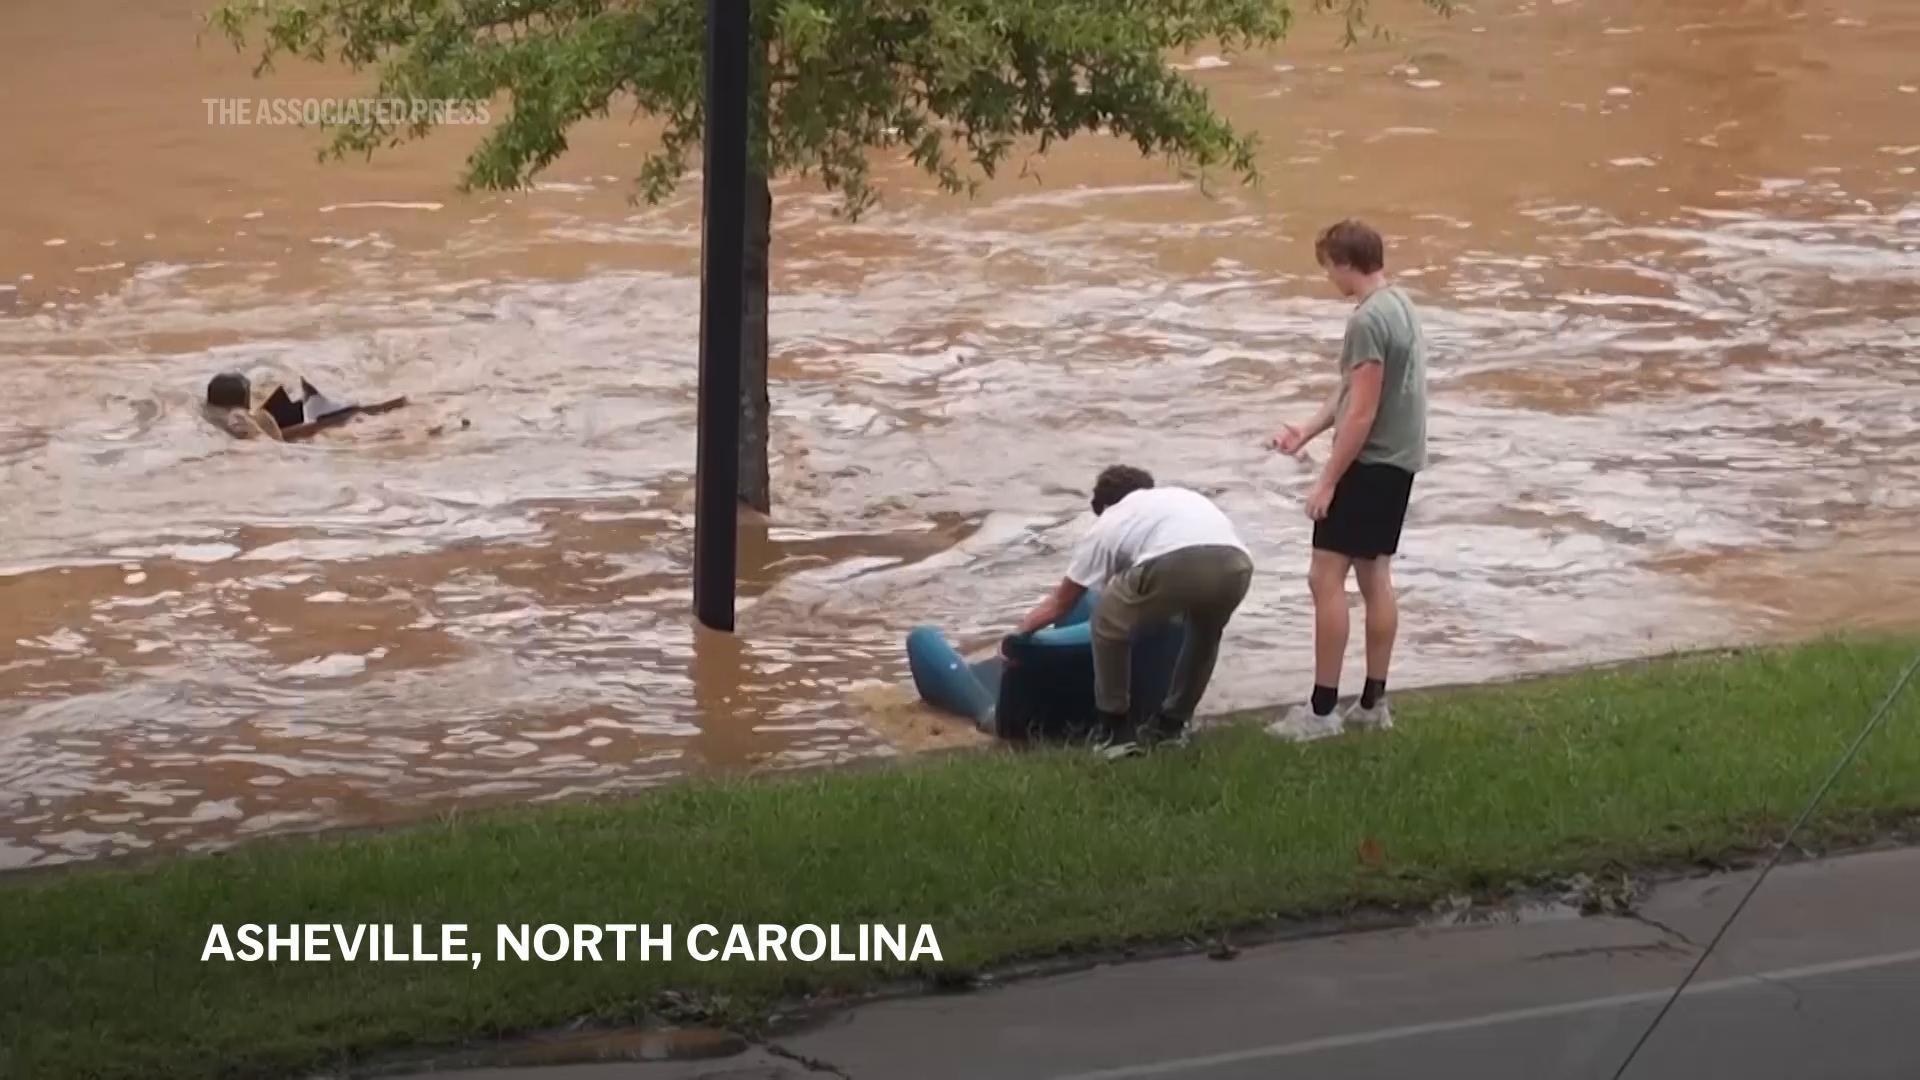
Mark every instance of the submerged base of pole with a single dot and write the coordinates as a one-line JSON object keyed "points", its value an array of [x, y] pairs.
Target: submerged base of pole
{"points": [[722, 315]]}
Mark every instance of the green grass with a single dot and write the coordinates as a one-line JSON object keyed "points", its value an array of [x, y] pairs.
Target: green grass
{"points": [[1006, 856]]}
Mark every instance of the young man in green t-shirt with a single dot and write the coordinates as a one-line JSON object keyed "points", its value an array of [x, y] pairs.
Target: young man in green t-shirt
{"points": [[1379, 419]]}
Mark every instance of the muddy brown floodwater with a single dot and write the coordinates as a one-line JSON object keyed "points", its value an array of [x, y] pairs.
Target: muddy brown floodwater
{"points": [[1669, 251]]}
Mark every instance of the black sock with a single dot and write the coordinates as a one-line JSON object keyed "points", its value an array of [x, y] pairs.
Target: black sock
{"points": [[1372, 692], [1324, 698]]}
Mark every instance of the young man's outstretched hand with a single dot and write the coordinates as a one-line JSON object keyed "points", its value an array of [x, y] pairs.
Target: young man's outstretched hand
{"points": [[1290, 441]]}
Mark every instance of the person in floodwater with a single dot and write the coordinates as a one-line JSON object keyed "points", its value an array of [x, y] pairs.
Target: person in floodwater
{"points": [[1378, 414], [1155, 553], [230, 407]]}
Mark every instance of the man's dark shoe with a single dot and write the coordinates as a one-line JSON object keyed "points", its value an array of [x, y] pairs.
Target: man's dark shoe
{"points": [[1114, 736], [1163, 731], [1114, 727]]}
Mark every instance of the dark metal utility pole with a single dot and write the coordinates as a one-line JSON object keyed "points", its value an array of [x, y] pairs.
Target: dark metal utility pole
{"points": [[722, 314]]}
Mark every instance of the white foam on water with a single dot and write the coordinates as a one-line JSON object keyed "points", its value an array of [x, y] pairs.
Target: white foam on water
{"points": [[333, 666], [188, 553], [426, 206]]}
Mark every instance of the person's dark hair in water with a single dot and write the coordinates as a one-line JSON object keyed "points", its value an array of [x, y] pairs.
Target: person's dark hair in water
{"points": [[229, 390], [1352, 244], [1116, 482]]}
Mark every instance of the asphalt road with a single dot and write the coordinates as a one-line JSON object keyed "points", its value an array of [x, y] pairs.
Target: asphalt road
{"points": [[1820, 978]]}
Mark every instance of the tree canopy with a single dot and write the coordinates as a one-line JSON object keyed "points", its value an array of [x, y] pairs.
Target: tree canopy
{"points": [[957, 85]]}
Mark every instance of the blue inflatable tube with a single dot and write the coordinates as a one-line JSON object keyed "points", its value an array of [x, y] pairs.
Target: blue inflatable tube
{"points": [[1040, 686], [948, 682]]}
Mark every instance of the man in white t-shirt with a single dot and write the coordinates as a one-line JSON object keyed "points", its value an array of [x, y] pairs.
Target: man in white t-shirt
{"points": [[1155, 554]]}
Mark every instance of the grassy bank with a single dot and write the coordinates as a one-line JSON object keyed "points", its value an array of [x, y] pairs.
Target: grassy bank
{"points": [[1004, 855]]}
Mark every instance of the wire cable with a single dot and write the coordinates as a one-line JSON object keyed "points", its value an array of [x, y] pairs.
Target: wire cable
{"points": [[1873, 722]]}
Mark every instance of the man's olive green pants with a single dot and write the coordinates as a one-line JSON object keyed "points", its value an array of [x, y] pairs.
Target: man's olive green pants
{"points": [[1204, 584]]}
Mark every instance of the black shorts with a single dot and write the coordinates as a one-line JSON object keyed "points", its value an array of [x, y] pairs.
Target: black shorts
{"points": [[1369, 507]]}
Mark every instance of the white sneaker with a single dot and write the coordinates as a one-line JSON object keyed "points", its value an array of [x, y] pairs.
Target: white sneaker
{"points": [[1378, 718], [1301, 724]]}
